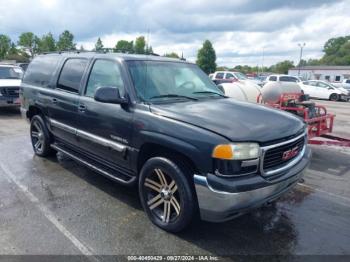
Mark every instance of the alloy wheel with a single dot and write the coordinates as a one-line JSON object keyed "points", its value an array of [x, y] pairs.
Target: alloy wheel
{"points": [[162, 196], [38, 137]]}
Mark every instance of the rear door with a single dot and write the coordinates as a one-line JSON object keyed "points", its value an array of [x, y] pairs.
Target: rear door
{"points": [[63, 107], [310, 88], [106, 128]]}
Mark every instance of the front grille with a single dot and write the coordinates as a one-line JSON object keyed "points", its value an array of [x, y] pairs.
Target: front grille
{"points": [[10, 91], [279, 156]]}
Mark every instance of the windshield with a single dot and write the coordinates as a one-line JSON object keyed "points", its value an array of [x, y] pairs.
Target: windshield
{"points": [[10, 73], [240, 76], [156, 81]]}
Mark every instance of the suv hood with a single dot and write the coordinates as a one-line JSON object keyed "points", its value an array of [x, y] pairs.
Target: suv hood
{"points": [[237, 121], [10, 82]]}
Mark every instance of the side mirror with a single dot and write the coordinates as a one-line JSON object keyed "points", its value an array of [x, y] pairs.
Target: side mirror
{"points": [[111, 95]]}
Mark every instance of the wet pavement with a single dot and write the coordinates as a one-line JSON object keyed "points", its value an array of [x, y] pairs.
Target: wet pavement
{"points": [[55, 206]]}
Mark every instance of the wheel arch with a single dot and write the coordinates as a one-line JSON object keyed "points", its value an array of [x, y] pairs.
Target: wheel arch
{"points": [[151, 149], [32, 111]]}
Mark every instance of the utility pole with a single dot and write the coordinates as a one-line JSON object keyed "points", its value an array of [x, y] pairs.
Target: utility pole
{"points": [[301, 56], [262, 61]]}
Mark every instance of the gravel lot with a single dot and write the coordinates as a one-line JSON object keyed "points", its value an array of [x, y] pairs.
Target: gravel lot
{"points": [[55, 206]]}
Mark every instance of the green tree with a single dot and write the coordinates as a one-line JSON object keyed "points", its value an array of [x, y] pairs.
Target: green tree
{"points": [[66, 41], [149, 50], [302, 62], [221, 68], [124, 46], [332, 46], [337, 51], [140, 45], [172, 55], [206, 57], [312, 62], [29, 42], [282, 67], [99, 45], [5, 45], [47, 43]]}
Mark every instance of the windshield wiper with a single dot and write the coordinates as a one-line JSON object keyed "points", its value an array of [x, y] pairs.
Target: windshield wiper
{"points": [[209, 92], [174, 95]]}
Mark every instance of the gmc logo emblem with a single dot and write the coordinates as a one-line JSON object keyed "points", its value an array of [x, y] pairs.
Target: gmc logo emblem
{"points": [[290, 153]]}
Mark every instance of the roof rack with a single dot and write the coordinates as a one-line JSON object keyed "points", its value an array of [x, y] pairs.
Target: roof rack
{"points": [[103, 51]]}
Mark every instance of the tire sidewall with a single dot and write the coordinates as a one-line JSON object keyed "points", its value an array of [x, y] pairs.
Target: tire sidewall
{"points": [[184, 189]]}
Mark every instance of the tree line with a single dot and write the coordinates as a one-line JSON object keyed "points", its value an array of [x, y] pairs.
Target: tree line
{"points": [[336, 52], [29, 45]]}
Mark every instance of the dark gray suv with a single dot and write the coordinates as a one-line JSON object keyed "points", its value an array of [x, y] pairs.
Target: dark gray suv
{"points": [[163, 125]]}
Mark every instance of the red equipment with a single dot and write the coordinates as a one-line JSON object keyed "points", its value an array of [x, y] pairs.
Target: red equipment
{"points": [[320, 123]]}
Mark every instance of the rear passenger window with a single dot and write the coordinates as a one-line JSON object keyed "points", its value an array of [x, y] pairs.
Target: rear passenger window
{"points": [[41, 70], [287, 79], [72, 74], [104, 73], [219, 76]]}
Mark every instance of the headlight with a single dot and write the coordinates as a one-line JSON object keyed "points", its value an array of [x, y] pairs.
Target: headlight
{"points": [[237, 151]]}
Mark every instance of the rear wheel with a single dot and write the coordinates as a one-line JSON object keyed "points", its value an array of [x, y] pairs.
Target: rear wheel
{"points": [[334, 97], [166, 194], [40, 137]]}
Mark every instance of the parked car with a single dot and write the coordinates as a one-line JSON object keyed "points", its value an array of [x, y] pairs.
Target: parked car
{"points": [[220, 77], [228, 80], [10, 81], [324, 90], [282, 78], [346, 83], [163, 125]]}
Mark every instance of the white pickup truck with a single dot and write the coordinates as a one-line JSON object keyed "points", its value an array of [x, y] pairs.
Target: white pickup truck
{"points": [[10, 80]]}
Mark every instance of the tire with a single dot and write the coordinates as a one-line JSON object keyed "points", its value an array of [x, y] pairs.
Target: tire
{"points": [[166, 194], [334, 97], [40, 137]]}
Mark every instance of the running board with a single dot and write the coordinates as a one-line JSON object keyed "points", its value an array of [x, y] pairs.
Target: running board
{"points": [[95, 166]]}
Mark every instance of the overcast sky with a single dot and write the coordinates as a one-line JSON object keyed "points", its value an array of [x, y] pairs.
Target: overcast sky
{"points": [[240, 30]]}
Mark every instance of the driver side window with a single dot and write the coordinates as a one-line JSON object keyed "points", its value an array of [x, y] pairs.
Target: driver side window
{"points": [[323, 85], [104, 73], [229, 76]]}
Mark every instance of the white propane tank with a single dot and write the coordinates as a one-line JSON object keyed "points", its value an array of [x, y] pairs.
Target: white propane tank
{"points": [[272, 91], [243, 91]]}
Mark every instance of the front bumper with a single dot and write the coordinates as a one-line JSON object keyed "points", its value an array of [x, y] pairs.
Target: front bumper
{"points": [[217, 205], [345, 97], [9, 101]]}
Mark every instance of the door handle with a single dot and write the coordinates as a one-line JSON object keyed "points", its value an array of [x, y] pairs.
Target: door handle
{"points": [[54, 100], [82, 108]]}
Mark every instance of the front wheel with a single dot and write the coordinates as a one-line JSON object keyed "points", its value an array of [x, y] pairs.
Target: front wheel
{"points": [[334, 97], [166, 194]]}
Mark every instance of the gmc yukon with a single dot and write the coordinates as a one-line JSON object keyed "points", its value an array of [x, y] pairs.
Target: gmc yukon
{"points": [[161, 124]]}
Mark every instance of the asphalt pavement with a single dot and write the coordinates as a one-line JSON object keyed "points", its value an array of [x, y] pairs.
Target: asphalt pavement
{"points": [[57, 207]]}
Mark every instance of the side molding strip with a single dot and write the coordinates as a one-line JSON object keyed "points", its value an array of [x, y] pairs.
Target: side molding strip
{"points": [[91, 137], [62, 126], [89, 165]]}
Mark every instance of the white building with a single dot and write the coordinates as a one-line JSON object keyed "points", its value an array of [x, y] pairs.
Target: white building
{"points": [[328, 73]]}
